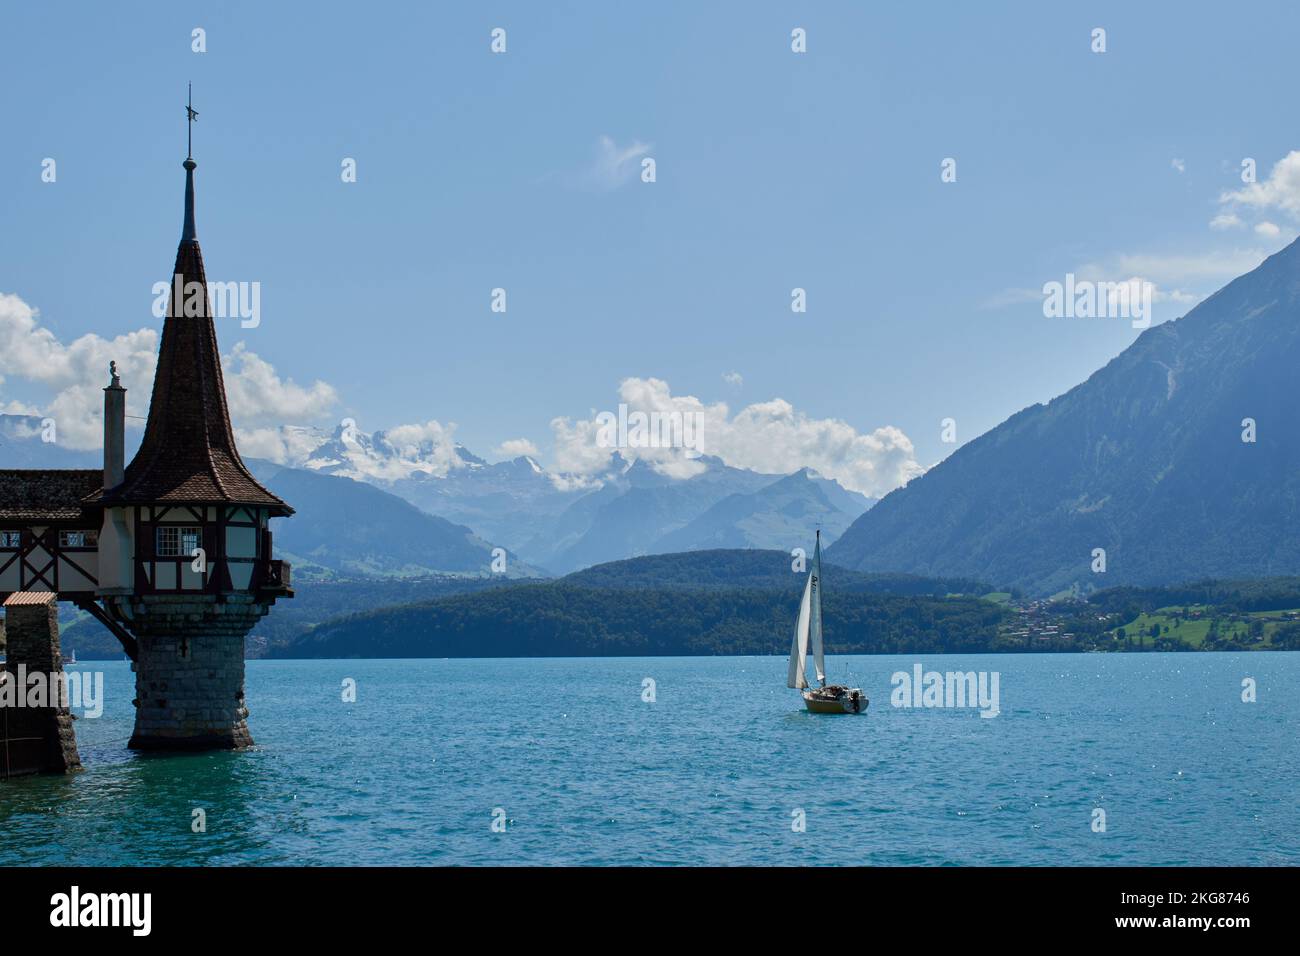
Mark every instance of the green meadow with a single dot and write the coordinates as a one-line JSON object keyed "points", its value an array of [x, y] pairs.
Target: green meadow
{"points": [[1205, 627]]}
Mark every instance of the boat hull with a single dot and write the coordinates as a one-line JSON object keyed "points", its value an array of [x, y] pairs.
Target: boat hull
{"points": [[836, 700]]}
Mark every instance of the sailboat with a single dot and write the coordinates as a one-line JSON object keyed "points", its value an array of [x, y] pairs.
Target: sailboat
{"points": [[824, 699]]}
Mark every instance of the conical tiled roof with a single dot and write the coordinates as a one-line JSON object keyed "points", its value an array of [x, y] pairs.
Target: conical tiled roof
{"points": [[188, 453]]}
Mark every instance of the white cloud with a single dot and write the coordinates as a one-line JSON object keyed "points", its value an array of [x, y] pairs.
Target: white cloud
{"points": [[1182, 269], [1095, 272], [1135, 286], [769, 437], [402, 451], [615, 165], [1179, 165], [1281, 190], [73, 375], [734, 379], [1278, 193], [381, 457], [1177, 296], [256, 394], [1012, 296], [576, 449], [286, 445], [517, 447], [16, 407]]}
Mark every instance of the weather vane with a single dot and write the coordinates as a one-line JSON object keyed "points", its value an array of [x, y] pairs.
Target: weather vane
{"points": [[191, 114]]}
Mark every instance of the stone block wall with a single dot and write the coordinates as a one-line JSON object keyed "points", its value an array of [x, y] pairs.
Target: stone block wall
{"points": [[190, 672], [35, 739]]}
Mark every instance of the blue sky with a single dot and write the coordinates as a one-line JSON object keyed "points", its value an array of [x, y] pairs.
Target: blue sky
{"points": [[774, 170]]}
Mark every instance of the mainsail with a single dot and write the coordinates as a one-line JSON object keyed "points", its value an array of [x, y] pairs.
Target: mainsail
{"points": [[799, 649], [815, 618]]}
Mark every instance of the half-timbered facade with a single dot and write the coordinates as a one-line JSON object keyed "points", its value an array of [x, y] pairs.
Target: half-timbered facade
{"points": [[49, 538], [213, 549]]}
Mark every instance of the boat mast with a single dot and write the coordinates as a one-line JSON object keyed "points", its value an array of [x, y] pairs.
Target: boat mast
{"points": [[815, 615]]}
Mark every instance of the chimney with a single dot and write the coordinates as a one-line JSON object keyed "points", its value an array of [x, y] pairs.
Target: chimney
{"points": [[114, 430]]}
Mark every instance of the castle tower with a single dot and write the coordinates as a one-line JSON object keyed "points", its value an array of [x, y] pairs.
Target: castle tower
{"points": [[185, 561]]}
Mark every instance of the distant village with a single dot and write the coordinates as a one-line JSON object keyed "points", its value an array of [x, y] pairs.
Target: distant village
{"points": [[1037, 622]]}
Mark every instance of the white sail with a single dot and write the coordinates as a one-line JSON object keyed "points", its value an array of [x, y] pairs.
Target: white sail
{"points": [[799, 649], [815, 617]]}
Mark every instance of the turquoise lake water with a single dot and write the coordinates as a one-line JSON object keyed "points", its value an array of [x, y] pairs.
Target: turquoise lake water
{"points": [[713, 772]]}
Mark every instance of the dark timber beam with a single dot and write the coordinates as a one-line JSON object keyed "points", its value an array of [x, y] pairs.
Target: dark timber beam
{"points": [[128, 642]]}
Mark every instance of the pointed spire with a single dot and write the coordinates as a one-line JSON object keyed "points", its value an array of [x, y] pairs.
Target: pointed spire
{"points": [[188, 451], [187, 231]]}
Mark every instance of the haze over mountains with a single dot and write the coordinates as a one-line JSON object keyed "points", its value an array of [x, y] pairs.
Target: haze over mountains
{"points": [[348, 529], [21, 446], [562, 522], [1145, 459], [412, 515]]}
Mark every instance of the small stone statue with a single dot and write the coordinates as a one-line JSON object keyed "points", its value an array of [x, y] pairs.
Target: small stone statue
{"points": [[112, 371]]}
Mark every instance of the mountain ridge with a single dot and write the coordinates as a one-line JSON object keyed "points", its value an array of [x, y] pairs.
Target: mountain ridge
{"points": [[1144, 460]]}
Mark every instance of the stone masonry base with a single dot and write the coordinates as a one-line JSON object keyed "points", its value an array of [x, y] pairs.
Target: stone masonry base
{"points": [[35, 739], [189, 675]]}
